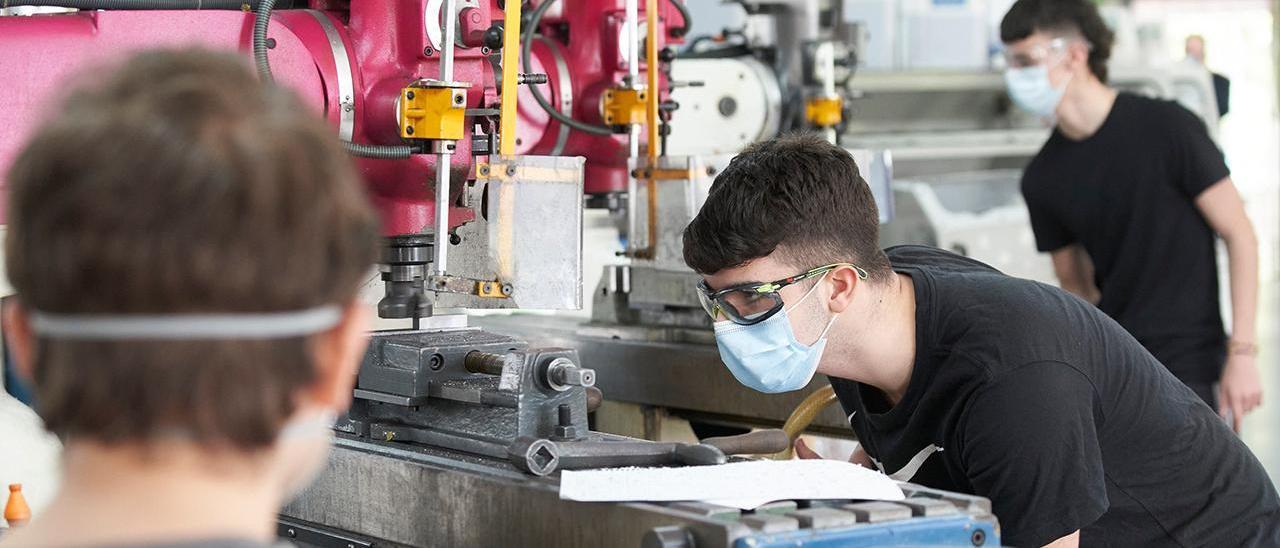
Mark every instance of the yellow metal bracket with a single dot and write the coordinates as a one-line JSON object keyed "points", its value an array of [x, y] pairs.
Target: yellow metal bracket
{"points": [[622, 106], [824, 111], [432, 109], [663, 174], [510, 64], [488, 289]]}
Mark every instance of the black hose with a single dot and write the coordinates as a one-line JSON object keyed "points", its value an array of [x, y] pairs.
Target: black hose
{"points": [[262, 18], [684, 15], [138, 5], [526, 47]]}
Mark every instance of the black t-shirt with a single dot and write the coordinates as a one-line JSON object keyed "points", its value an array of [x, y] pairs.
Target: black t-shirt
{"points": [[1030, 396], [1127, 195]]}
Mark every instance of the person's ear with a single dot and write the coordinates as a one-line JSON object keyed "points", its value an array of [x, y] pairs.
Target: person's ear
{"points": [[337, 354], [1078, 57], [844, 285], [19, 338]]}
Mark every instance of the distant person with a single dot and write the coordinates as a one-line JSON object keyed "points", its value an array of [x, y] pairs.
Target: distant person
{"points": [[186, 245], [1221, 84], [1129, 195]]}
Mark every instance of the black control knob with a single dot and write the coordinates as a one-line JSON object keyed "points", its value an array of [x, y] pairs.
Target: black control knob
{"points": [[493, 37]]}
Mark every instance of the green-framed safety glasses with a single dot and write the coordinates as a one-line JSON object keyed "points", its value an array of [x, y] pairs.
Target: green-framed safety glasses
{"points": [[752, 303]]}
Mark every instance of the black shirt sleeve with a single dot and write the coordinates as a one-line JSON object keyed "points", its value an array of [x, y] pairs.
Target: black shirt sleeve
{"points": [[1050, 233], [1200, 163], [1029, 443]]}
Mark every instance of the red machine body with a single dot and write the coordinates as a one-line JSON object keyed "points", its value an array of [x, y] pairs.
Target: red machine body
{"points": [[350, 61]]}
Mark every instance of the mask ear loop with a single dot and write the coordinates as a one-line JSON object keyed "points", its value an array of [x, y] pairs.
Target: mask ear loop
{"points": [[806, 295]]}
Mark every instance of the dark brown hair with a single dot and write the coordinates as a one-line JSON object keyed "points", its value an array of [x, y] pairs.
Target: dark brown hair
{"points": [[1078, 17], [796, 194], [180, 184]]}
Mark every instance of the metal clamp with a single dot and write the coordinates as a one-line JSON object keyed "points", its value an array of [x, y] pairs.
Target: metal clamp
{"points": [[489, 289], [623, 106], [433, 109]]}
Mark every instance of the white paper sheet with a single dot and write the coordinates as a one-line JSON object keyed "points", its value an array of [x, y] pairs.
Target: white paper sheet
{"points": [[743, 485]]}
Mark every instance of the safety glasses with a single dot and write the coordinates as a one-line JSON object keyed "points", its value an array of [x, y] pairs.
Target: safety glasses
{"points": [[752, 303], [1036, 55]]}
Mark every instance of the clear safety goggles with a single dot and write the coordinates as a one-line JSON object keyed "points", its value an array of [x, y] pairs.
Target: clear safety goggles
{"points": [[1039, 53], [752, 303]]}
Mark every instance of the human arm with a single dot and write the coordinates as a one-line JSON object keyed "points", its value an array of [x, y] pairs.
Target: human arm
{"points": [[1240, 388], [1069, 541], [859, 455], [1074, 269]]}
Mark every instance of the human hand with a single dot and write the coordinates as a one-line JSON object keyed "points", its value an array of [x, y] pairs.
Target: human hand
{"points": [[1240, 390], [859, 456]]}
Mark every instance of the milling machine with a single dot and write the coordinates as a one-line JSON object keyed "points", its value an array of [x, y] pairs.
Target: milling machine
{"points": [[478, 142]]}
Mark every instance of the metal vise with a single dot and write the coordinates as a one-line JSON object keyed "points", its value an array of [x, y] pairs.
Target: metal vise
{"points": [[467, 390]]}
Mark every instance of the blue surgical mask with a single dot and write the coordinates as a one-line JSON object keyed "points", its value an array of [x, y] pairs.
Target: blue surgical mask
{"points": [[766, 357], [1030, 89]]}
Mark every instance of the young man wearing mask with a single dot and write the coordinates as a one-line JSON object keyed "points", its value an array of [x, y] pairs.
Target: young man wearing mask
{"points": [[187, 246], [958, 377], [1128, 195]]}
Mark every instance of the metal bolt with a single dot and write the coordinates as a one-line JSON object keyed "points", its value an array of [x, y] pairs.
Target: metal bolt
{"points": [[484, 170], [511, 171], [409, 130], [428, 51], [292, 533], [484, 50], [563, 374], [455, 239], [506, 289], [565, 430], [979, 537], [271, 43], [409, 95], [457, 99], [435, 362]]}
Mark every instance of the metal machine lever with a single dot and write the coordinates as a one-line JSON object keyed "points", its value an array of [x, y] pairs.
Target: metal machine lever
{"points": [[760, 442], [541, 456]]}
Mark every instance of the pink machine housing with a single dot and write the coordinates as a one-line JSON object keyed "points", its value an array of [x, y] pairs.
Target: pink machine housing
{"points": [[350, 60]]}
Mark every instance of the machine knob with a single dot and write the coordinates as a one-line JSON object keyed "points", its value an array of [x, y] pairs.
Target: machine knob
{"points": [[493, 37], [562, 374]]}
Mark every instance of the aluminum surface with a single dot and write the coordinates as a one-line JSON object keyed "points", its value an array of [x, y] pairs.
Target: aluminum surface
{"points": [[346, 84], [423, 497], [429, 497]]}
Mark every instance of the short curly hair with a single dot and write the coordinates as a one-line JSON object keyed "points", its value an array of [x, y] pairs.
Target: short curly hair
{"points": [[1062, 16], [798, 195]]}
